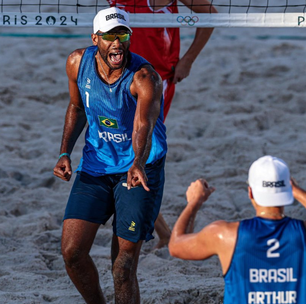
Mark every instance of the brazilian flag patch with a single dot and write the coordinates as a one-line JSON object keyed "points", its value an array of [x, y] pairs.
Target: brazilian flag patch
{"points": [[108, 122]]}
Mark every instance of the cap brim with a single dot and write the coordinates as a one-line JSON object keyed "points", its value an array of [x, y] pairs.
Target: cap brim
{"points": [[108, 28], [273, 199]]}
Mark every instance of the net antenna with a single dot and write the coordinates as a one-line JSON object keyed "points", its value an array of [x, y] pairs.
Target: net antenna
{"points": [[231, 13]]}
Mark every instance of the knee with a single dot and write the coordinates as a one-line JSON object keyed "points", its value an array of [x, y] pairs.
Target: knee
{"points": [[72, 255], [123, 268]]}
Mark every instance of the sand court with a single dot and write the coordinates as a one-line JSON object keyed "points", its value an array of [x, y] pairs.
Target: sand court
{"points": [[244, 98]]}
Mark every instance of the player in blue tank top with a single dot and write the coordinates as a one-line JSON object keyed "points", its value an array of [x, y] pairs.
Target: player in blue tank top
{"points": [[110, 111], [118, 94], [263, 259]]}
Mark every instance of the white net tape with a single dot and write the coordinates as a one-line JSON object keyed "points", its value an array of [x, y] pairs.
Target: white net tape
{"points": [[239, 13]]}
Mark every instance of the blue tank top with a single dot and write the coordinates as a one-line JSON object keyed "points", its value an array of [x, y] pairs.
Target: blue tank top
{"points": [[268, 264], [110, 115]]}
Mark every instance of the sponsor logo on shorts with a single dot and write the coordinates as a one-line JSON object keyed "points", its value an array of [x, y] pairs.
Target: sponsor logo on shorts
{"points": [[114, 16], [277, 184], [108, 122], [132, 226]]}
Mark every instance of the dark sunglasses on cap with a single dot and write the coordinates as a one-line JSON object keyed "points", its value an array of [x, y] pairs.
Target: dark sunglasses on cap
{"points": [[113, 36]]}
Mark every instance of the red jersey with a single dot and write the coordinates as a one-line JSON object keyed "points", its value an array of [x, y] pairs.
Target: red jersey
{"points": [[160, 46]]}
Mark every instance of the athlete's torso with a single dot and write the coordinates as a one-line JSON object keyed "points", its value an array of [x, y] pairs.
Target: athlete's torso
{"points": [[268, 264], [160, 46], [110, 115]]}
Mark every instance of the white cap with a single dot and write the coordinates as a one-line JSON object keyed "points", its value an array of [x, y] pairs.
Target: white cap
{"points": [[107, 19], [269, 178]]}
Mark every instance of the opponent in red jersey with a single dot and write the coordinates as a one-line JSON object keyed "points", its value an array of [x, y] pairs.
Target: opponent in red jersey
{"points": [[161, 47]]}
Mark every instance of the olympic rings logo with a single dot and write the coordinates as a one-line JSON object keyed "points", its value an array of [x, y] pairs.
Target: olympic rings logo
{"points": [[187, 20]]}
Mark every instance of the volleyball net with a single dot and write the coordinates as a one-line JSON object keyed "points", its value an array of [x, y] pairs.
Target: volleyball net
{"points": [[231, 13]]}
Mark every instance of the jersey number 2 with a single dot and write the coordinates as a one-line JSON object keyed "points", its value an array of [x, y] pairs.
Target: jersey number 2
{"points": [[274, 243]]}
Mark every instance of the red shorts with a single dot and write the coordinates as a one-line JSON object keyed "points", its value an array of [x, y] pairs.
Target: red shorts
{"points": [[168, 90]]}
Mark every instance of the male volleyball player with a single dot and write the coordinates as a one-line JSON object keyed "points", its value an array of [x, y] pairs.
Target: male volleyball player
{"points": [[121, 173], [263, 259], [161, 47]]}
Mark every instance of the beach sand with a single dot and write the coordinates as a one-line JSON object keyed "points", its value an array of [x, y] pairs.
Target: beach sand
{"points": [[244, 98]]}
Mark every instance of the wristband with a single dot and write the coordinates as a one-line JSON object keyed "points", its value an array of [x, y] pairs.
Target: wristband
{"points": [[64, 154]]}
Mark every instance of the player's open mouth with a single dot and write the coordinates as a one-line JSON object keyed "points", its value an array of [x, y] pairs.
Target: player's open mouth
{"points": [[116, 58]]}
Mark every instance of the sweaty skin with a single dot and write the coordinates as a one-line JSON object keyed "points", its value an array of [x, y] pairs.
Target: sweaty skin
{"points": [[146, 87], [78, 235], [218, 238]]}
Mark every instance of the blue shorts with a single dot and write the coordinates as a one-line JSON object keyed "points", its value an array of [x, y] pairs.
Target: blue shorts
{"points": [[96, 199]]}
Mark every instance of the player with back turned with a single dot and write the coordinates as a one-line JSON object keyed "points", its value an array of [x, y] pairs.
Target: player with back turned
{"points": [[263, 259]]}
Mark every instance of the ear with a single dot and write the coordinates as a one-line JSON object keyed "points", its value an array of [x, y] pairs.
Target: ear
{"points": [[94, 39], [250, 193]]}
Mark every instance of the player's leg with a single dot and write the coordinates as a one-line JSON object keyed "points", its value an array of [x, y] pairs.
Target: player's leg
{"points": [[77, 239], [163, 231], [161, 227], [125, 256], [90, 204], [136, 212]]}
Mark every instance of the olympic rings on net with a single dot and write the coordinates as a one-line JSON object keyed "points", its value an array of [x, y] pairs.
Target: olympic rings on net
{"points": [[187, 20]]}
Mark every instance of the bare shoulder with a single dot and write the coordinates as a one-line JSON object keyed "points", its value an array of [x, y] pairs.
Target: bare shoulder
{"points": [[222, 237], [147, 72], [221, 229], [73, 62], [75, 56], [145, 80], [222, 224]]}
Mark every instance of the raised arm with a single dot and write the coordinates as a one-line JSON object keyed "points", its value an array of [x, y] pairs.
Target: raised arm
{"points": [[202, 35], [184, 243], [147, 88], [217, 238], [75, 119]]}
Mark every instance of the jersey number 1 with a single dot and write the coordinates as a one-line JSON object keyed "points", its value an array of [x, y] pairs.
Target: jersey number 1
{"points": [[87, 99]]}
